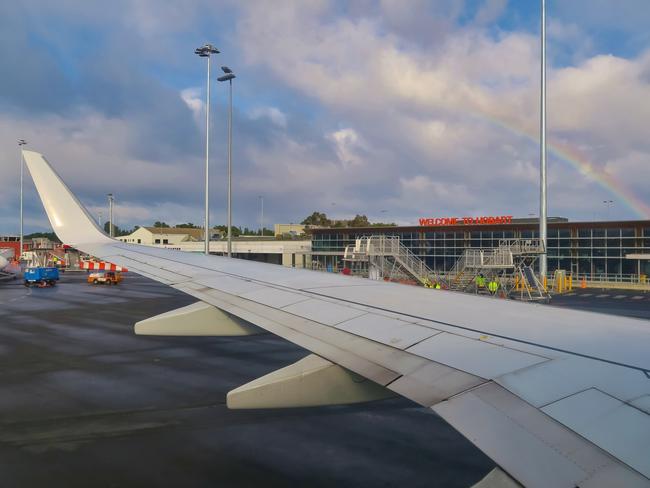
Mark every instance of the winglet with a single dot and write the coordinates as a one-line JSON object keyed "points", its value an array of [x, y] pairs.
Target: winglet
{"points": [[70, 220]]}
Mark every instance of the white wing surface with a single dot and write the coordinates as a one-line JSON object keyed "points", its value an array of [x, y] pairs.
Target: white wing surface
{"points": [[555, 397]]}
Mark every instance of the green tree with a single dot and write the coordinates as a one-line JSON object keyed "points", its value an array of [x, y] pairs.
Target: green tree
{"points": [[189, 225], [359, 221], [317, 218], [160, 224], [117, 232], [49, 235], [236, 231]]}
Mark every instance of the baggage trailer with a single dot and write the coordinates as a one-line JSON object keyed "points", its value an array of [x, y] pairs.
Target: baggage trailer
{"points": [[41, 277]]}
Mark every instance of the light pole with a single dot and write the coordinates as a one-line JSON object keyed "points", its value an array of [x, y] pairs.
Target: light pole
{"points": [[261, 215], [205, 52], [21, 143], [228, 76], [608, 203], [110, 214], [542, 166]]}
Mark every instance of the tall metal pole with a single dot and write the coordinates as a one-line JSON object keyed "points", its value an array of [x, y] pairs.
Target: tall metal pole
{"points": [[228, 76], [21, 143], [206, 224], [206, 51], [261, 215], [230, 174], [542, 170], [110, 214]]}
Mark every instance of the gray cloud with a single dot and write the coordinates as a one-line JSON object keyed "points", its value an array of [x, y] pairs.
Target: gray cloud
{"points": [[361, 107]]}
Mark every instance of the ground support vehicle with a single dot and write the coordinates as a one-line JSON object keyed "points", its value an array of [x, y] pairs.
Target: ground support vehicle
{"points": [[41, 276], [105, 278]]}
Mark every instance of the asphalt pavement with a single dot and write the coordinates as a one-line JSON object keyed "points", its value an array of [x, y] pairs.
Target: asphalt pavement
{"points": [[84, 402]]}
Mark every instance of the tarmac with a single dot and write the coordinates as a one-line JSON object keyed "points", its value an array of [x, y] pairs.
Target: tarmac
{"points": [[85, 402]]}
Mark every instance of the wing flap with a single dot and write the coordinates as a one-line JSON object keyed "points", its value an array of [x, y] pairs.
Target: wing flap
{"points": [[534, 449], [596, 416]]}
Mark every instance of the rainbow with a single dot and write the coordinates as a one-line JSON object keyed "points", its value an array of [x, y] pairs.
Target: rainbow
{"points": [[579, 161]]}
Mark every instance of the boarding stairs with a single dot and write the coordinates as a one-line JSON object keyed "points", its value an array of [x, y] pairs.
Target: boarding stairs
{"points": [[529, 285], [388, 258], [508, 256]]}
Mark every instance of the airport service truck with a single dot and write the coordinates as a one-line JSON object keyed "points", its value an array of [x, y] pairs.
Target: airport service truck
{"points": [[105, 278], [41, 276]]}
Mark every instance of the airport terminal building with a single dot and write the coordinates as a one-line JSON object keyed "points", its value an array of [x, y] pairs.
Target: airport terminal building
{"points": [[591, 249]]}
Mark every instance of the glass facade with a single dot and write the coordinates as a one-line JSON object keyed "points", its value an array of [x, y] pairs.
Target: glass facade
{"points": [[593, 249]]}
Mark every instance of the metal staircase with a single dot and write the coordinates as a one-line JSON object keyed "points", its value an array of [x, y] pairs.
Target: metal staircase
{"points": [[510, 254], [389, 258], [527, 284]]}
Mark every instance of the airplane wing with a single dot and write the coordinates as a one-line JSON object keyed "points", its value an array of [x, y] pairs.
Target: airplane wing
{"points": [[555, 397]]}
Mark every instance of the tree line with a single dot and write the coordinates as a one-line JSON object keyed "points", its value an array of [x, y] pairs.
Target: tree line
{"points": [[320, 219]]}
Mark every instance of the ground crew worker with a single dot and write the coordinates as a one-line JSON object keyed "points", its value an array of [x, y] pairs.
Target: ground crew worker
{"points": [[480, 281], [493, 286], [437, 286]]}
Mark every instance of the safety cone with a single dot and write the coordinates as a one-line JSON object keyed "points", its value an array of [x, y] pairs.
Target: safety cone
{"points": [[584, 283]]}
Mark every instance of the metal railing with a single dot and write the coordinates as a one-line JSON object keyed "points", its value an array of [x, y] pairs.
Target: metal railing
{"points": [[390, 246], [522, 246], [391, 256]]}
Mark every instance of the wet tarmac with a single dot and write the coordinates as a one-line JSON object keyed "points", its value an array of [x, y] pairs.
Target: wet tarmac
{"points": [[84, 402]]}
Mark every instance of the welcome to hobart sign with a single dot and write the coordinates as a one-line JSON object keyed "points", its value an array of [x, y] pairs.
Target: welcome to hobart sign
{"points": [[441, 221]]}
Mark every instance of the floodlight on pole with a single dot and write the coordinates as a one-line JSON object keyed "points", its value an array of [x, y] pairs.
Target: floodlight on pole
{"points": [[261, 214], [21, 143], [110, 214], [229, 76], [206, 51], [542, 166], [608, 203]]}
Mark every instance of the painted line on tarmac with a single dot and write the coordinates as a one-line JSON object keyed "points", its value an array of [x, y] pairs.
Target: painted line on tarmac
{"points": [[637, 297], [586, 294], [602, 296], [618, 297]]}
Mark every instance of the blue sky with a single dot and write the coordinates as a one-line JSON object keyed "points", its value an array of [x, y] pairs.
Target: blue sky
{"points": [[413, 107]]}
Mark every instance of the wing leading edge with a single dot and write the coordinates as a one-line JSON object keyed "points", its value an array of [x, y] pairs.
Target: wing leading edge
{"points": [[552, 402]]}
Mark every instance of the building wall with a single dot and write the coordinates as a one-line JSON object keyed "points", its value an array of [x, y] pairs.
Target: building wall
{"points": [[281, 229], [586, 248], [145, 236], [139, 236], [291, 253]]}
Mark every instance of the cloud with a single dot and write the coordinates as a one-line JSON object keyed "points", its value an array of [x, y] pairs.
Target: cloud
{"points": [[193, 100], [413, 107], [490, 11], [274, 114], [348, 144]]}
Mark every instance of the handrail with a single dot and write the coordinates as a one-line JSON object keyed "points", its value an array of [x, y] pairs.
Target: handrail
{"points": [[390, 246]]}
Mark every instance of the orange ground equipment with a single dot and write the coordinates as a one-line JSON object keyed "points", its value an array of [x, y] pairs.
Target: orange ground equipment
{"points": [[105, 278]]}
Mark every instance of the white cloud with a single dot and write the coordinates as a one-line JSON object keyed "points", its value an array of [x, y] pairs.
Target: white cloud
{"points": [[348, 143], [274, 114], [387, 104], [194, 101], [453, 113]]}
